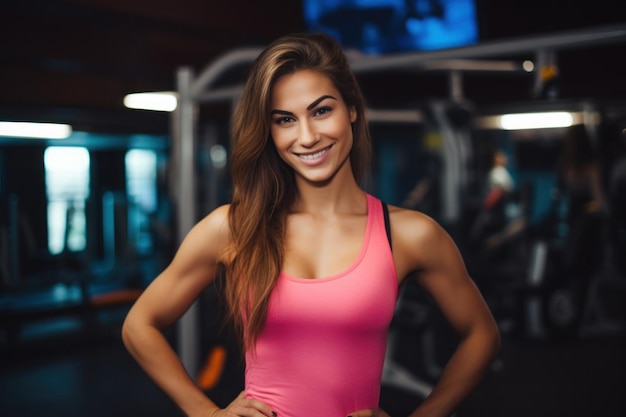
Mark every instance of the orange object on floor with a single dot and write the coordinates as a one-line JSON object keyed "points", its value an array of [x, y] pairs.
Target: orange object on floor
{"points": [[211, 371], [115, 297]]}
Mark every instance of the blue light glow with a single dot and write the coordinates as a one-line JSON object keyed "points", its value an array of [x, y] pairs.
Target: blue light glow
{"points": [[388, 26]]}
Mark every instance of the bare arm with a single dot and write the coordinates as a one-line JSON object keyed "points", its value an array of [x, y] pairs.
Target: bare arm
{"points": [[164, 301], [423, 247]]}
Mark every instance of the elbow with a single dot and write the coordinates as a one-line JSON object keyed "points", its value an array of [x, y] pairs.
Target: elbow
{"points": [[138, 331], [127, 332], [488, 340], [494, 341]]}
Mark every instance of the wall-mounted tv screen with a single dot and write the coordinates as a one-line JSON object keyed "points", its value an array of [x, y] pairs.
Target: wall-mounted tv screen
{"points": [[388, 26]]}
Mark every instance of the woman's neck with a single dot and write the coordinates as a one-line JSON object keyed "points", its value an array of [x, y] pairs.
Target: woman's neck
{"points": [[332, 197]]}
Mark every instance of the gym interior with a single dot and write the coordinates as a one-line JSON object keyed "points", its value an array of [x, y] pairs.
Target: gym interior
{"points": [[87, 221]]}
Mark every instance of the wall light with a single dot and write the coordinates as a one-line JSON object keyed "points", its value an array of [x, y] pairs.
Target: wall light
{"points": [[157, 101], [35, 130], [539, 120]]}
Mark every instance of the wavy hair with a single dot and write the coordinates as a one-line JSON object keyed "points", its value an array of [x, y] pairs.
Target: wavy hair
{"points": [[264, 187]]}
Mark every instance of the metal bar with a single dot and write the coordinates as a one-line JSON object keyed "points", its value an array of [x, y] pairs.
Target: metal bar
{"points": [[184, 142], [395, 116], [462, 59], [219, 94], [455, 80], [468, 65], [221, 64], [561, 40]]}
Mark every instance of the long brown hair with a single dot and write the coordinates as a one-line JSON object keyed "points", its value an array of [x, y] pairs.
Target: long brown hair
{"points": [[264, 188]]}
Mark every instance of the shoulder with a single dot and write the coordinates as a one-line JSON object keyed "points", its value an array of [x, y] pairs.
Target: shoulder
{"points": [[216, 222], [193, 266], [418, 240], [211, 234], [412, 226], [217, 218]]}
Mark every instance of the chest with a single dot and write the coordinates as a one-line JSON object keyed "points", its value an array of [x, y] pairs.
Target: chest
{"points": [[316, 248]]}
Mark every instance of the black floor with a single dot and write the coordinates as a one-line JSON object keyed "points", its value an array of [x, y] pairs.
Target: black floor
{"points": [[66, 372]]}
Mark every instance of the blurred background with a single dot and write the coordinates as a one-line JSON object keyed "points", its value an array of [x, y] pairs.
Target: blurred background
{"points": [[504, 121]]}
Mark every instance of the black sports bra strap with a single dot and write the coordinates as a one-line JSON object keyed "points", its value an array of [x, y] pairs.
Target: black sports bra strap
{"points": [[387, 224]]}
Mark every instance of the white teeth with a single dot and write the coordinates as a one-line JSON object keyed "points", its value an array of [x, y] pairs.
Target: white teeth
{"points": [[313, 155]]}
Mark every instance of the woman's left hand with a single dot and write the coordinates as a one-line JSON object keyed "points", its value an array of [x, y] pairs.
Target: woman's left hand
{"points": [[369, 413]]}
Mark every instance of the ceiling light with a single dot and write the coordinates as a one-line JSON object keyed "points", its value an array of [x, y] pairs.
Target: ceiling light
{"points": [[543, 120], [528, 66], [35, 130], [157, 101]]}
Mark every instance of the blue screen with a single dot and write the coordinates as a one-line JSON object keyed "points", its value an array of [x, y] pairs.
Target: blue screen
{"points": [[387, 26]]}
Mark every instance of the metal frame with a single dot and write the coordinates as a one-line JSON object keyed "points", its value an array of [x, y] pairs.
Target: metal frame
{"points": [[194, 90]]}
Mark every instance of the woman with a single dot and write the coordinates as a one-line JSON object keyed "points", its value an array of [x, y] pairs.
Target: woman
{"points": [[309, 274]]}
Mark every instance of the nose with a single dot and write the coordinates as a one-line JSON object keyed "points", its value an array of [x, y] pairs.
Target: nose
{"points": [[307, 136]]}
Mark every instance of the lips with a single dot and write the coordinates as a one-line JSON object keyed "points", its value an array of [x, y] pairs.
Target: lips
{"points": [[315, 155]]}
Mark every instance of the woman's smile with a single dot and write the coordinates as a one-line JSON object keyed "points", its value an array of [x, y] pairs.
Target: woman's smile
{"points": [[315, 157], [311, 125]]}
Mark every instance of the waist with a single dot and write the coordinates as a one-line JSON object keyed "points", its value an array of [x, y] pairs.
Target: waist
{"points": [[316, 381]]}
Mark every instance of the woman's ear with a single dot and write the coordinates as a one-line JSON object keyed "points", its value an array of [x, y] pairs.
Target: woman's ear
{"points": [[353, 114]]}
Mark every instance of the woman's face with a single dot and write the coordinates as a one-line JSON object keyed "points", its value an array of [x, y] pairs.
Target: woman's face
{"points": [[311, 125]]}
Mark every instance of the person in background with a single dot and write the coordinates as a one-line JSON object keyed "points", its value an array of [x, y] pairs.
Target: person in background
{"points": [[580, 179], [308, 264], [499, 181], [580, 185], [498, 219]]}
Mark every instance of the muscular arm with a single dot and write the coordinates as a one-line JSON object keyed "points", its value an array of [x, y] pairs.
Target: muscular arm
{"points": [[423, 248], [165, 300]]}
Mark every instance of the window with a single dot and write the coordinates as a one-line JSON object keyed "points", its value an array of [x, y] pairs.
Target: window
{"points": [[141, 186], [67, 189]]}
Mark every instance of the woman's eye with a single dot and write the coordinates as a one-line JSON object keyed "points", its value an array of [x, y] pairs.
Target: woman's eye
{"points": [[322, 111], [282, 120]]}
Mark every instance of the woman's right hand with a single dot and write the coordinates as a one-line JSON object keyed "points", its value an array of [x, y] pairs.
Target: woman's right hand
{"points": [[245, 407]]}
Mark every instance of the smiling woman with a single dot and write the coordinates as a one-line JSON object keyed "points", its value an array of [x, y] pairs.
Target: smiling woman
{"points": [[314, 135], [304, 257]]}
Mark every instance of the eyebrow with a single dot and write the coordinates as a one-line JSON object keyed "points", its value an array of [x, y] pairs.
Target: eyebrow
{"points": [[309, 107]]}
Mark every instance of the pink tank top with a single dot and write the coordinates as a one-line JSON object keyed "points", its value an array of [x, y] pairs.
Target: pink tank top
{"points": [[322, 350]]}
